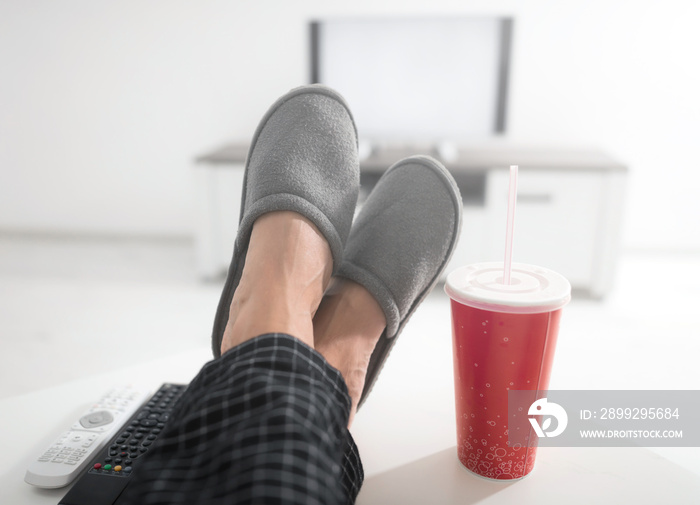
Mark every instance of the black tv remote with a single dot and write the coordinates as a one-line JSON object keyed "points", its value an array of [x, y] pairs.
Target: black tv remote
{"points": [[109, 473]]}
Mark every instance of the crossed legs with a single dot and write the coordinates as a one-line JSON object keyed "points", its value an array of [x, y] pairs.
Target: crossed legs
{"points": [[267, 421], [286, 274]]}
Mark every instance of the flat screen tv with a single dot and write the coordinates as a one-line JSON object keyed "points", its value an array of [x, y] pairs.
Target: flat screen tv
{"points": [[422, 80]]}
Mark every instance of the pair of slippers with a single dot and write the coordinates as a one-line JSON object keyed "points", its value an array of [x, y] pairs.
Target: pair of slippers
{"points": [[303, 158]]}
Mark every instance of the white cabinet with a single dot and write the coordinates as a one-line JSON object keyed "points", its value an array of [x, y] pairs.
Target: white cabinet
{"points": [[218, 198], [568, 217], [556, 220]]}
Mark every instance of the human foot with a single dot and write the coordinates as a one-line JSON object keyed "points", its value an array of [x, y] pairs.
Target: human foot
{"points": [[287, 268], [399, 244], [346, 327], [303, 158]]}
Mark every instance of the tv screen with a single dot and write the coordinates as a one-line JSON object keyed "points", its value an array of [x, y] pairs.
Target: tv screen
{"points": [[417, 80]]}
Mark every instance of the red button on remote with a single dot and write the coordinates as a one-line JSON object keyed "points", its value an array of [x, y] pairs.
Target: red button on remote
{"points": [[97, 466]]}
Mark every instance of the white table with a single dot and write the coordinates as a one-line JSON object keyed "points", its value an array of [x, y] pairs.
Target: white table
{"points": [[406, 441], [30, 422]]}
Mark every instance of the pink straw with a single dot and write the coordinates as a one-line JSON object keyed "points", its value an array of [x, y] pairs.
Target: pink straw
{"points": [[512, 195]]}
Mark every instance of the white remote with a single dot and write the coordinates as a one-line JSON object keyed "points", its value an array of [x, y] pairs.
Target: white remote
{"points": [[65, 459]]}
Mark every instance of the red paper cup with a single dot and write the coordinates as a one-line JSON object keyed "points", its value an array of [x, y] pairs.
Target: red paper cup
{"points": [[503, 339]]}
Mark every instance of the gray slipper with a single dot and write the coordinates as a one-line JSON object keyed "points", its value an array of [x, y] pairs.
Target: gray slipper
{"points": [[303, 158], [401, 242]]}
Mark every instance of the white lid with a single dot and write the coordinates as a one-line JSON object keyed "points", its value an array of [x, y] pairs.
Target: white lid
{"points": [[532, 289]]}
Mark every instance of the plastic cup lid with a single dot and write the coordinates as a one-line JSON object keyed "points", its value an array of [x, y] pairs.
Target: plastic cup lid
{"points": [[532, 289]]}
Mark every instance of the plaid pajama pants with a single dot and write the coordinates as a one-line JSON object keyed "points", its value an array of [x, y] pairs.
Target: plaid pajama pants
{"points": [[265, 423]]}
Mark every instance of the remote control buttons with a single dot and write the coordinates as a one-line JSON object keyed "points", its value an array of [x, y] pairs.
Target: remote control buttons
{"points": [[139, 435], [96, 419], [107, 467]]}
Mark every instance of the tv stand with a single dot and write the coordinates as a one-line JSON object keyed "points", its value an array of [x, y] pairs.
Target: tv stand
{"points": [[568, 216]]}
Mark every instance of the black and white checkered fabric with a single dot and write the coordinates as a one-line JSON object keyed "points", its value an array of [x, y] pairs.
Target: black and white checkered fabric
{"points": [[265, 423]]}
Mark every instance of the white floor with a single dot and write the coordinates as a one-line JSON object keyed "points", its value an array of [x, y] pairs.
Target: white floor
{"points": [[71, 308]]}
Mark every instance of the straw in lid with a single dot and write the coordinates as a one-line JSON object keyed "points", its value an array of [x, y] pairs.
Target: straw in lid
{"points": [[532, 289]]}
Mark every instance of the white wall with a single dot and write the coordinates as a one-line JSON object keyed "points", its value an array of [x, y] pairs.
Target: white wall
{"points": [[104, 104]]}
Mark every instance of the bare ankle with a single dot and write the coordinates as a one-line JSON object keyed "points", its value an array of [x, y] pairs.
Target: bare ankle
{"points": [[287, 269], [347, 327], [257, 314], [348, 312]]}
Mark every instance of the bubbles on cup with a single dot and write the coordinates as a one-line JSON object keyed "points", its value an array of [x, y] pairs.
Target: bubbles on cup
{"points": [[505, 339], [491, 423], [507, 467], [488, 385], [461, 453], [477, 364]]}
